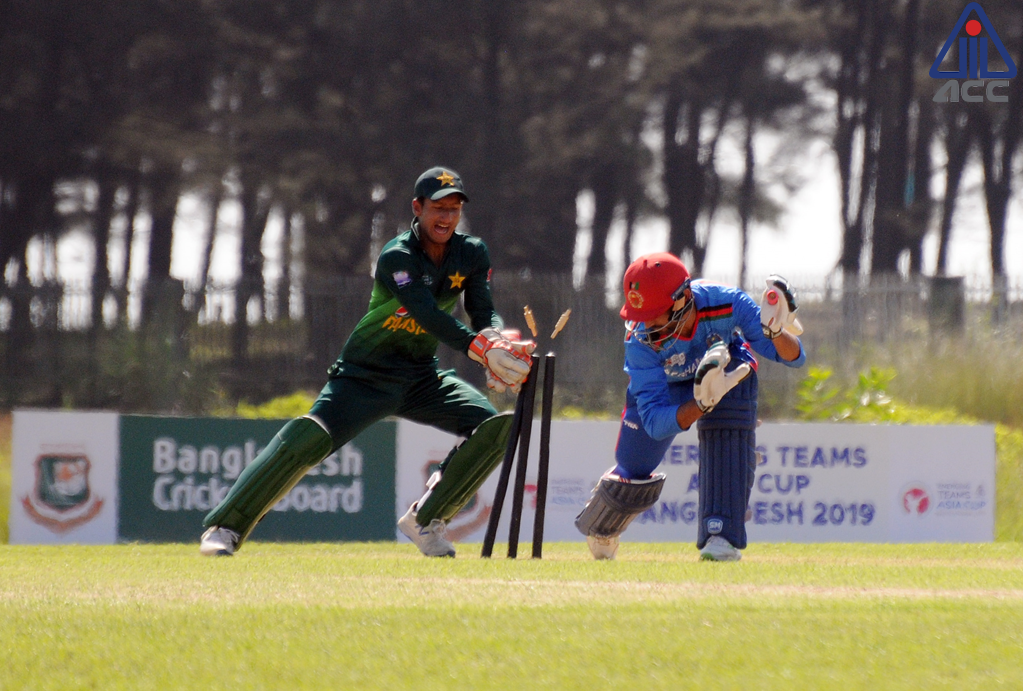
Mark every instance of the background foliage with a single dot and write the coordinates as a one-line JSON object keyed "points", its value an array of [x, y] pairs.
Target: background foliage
{"points": [[319, 115]]}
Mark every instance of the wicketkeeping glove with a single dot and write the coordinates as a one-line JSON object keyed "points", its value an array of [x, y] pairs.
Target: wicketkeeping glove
{"points": [[514, 336], [507, 361], [778, 309], [712, 381]]}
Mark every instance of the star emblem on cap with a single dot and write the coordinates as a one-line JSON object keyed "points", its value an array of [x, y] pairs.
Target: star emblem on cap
{"points": [[456, 280], [446, 178]]}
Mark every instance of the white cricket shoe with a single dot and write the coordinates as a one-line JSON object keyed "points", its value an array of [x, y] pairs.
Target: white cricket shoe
{"points": [[602, 547], [218, 542], [429, 539], [719, 549]]}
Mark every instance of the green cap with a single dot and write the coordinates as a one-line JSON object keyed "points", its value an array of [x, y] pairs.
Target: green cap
{"points": [[439, 182]]}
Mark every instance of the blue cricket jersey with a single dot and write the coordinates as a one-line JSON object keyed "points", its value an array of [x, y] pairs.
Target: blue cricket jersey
{"points": [[721, 311]]}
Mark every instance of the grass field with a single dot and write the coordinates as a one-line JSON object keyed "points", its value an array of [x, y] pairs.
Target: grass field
{"points": [[379, 616]]}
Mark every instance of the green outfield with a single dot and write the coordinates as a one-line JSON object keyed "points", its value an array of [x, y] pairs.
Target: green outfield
{"points": [[379, 616]]}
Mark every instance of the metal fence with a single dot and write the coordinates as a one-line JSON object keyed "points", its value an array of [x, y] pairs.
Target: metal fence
{"points": [[189, 354]]}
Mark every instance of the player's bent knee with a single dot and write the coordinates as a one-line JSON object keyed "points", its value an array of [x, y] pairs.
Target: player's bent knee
{"points": [[616, 502], [465, 470]]}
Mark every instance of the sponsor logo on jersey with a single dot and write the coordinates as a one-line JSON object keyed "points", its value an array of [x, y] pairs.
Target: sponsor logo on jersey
{"points": [[682, 372], [401, 313], [676, 360], [397, 322], [401, 278]]}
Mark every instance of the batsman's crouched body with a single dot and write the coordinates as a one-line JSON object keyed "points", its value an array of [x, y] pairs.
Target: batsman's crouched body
{"points": [[727, 451], [689, 348]]}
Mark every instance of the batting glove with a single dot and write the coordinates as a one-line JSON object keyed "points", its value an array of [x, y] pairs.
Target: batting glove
{"points": [[778, 309], [507, 361], [712, 381]]}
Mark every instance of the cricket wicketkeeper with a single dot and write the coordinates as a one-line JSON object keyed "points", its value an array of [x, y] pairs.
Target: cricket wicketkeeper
{"points": [[389, 367], [688, 357]]}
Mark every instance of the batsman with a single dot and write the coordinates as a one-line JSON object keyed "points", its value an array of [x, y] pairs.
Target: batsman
{"points": [[688, 354], [389, 366]]}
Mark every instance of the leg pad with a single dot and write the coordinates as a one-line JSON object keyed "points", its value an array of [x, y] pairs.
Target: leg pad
{"points": [[728, 462], [465, 470], [616, 502], [299, 446]]}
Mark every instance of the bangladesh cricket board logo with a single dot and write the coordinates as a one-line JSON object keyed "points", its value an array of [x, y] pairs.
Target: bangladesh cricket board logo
{"points": [[62, 499]]}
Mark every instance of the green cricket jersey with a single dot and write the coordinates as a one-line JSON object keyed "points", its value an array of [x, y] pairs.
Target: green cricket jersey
{"points": [[412, 300]]}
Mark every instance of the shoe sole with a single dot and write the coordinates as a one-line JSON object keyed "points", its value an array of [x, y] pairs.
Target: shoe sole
{"points": [[222, 552]]}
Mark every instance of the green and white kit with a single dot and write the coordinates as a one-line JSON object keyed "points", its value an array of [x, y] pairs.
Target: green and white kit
{"points": [[388, 366]]}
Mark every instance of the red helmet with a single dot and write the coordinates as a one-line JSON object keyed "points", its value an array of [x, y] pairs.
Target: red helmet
{"points": [[651, 286]]}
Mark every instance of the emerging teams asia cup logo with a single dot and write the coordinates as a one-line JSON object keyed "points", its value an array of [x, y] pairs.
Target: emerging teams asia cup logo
{"points": [[62, 499], [916, 500]]}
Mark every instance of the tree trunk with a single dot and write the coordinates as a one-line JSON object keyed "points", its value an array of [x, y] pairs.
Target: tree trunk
{"points": [[683, 176], [101, 242], [921, 203], [215, 198], [854, 113], [284, 286], [746, 191], [605, 193], [163, 191], [958, 139], [131, 209], [255, 212], [891, 221]]}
